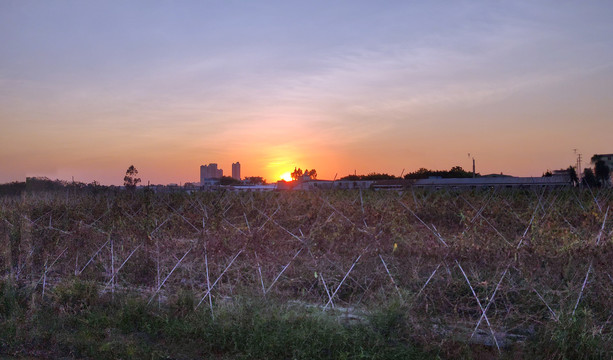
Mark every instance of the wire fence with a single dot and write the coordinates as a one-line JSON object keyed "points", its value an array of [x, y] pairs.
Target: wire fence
{"points": [[485, 263]]}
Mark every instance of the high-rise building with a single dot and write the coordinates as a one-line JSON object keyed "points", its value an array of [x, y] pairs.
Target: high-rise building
{"points": [[210, 171], [236, 170]]}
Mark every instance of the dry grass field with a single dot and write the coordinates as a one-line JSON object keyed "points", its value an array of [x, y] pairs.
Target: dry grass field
{"points": [[453, 274]]}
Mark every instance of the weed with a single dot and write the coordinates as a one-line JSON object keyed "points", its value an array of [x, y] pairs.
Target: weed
{"points": [[573, 337]]}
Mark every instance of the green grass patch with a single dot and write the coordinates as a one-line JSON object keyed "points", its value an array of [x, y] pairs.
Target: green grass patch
{"points": [[75, 322]]}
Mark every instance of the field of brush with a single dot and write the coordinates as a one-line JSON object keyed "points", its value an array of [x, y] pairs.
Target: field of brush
{"points": [[318, 274]]}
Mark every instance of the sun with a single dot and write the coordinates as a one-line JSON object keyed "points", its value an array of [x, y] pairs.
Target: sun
{"points": [[286, 176]]}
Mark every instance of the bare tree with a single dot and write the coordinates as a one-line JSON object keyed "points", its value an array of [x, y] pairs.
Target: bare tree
{"points": [[130, 180], [296, 174]]}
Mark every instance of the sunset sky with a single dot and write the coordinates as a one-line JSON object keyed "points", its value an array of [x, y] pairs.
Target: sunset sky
{"points": [[88, 88]]}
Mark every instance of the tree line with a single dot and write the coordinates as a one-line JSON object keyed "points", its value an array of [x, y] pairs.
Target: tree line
{"points": [[422, 173], [299, 174], [44, 184]]}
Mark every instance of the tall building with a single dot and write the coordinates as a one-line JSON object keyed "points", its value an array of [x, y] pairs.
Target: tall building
{"points": [[236, 170], [210, 171]]}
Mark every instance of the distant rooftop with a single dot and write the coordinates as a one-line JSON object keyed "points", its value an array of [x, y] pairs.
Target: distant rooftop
{"points": [[494, 181]]}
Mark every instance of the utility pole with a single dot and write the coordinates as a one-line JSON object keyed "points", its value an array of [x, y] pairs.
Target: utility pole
{"points": [[579, 172], [474, 172], [474, 168]]}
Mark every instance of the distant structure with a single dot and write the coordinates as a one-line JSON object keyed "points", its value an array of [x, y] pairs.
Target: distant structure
{"points": [[559, 179], [607, 158], [488, 182], [236, 170], [208, 172]]}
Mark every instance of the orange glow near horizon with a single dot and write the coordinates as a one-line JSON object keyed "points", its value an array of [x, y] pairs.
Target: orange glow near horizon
{"points": [[277, 161]]}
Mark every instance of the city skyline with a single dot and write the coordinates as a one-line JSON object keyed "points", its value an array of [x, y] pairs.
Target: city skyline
{"points": [[88, 89]]}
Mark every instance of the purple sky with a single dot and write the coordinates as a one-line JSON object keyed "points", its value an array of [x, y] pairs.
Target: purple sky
{"points": [[89, 88]]}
